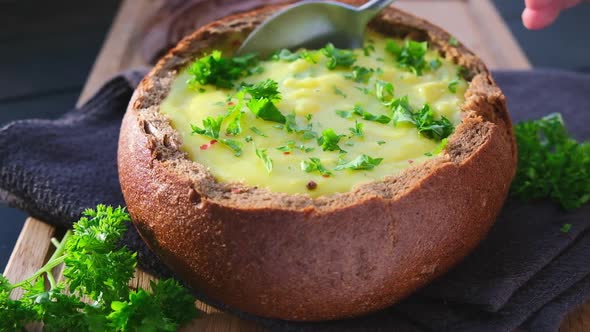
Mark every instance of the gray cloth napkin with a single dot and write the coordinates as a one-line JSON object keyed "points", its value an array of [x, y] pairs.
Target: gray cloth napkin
{"points": [[526, 273]]}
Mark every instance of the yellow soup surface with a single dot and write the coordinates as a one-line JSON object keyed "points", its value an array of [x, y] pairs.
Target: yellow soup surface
{"points": [[274, 156]]}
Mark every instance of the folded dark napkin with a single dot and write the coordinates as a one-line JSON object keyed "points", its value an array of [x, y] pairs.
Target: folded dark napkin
{"points": [[526, 273]]}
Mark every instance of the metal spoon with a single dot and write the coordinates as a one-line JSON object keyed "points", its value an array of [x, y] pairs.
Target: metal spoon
{"points": [[311, 25]]}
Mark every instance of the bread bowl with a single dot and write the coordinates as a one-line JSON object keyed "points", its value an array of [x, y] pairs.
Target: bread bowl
{"points": [[308, 257]]}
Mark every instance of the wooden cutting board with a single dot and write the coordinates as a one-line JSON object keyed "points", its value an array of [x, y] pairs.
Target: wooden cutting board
{"points": [[475, 23]]}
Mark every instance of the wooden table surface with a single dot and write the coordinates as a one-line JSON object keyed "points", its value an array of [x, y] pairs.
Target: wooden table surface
{"points": [[475, 23]]}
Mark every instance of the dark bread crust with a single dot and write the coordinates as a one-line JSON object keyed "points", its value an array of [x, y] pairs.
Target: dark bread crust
{"points": [[297, 258]]}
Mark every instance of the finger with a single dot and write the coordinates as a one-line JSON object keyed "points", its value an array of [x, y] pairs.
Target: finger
{"points": [[538, 19]]}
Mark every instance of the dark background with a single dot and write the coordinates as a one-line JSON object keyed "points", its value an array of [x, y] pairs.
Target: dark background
{"points": [[47, 49]]}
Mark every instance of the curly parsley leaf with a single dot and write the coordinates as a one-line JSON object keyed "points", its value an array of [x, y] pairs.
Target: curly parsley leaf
{"points": [[431, 128], [314, 165], [261, 153], [423, 119], [357, 130], [328, 141], [266, 110], [211, 127], [234, 145], [551, 163], [220, 71], [362, 162], [360, 74], [360, 111], [338, 57], [234, 127], [258, 132], [264, 96], [384, 92], [95, 268], [410, 56], [285, 55], [267, 89], [453, 85]]}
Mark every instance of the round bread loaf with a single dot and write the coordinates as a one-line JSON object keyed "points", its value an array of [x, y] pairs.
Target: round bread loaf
{"points": [[293, 257]]}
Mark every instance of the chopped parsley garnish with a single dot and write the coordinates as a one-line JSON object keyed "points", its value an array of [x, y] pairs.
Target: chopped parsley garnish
{"points": [[234, 145], [261, 153], [266, 110], [431, 128], [94, 294], [234, 127], [339, 92], [453, 41], [363, 89], [384, 92], [288, 147], [359, 74], [435, 64], [248, 139], [565, 228], [211, 127], [368, 49], [453, 85], [381, 142], [264, 96], [423, 120], [362, 162], [219, 71], [338, 57], [291, 123], [329, 140], [359, 110], [258, 132], [410, 56], [267, 89], [551, 164], [285, 55], [344, 114], [462, 72], [314, 165], [357, 130]]}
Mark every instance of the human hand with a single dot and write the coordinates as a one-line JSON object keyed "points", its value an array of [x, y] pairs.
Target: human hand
{"points": [[541, 13]]}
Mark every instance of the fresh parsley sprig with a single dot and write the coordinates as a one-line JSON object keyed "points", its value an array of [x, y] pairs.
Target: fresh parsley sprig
{"points": [[329, 140], [362, 162], [410, 56], [423, 119], [314, 165], [98, 269], [551, 164], [221, 71], [338, 57]]}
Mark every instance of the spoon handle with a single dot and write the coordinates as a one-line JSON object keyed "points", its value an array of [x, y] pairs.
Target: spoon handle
{"points": [[371, 8]]}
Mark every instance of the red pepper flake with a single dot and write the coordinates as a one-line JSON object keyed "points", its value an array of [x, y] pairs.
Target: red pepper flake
{"points": [[410, 161], [326, 175], [311, 185], [204, 146], [213, 142], [286, 152], [236, 190], [231, 103]]}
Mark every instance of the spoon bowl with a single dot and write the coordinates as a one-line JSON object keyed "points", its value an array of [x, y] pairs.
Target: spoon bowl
{"points": [[311, 25]]}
